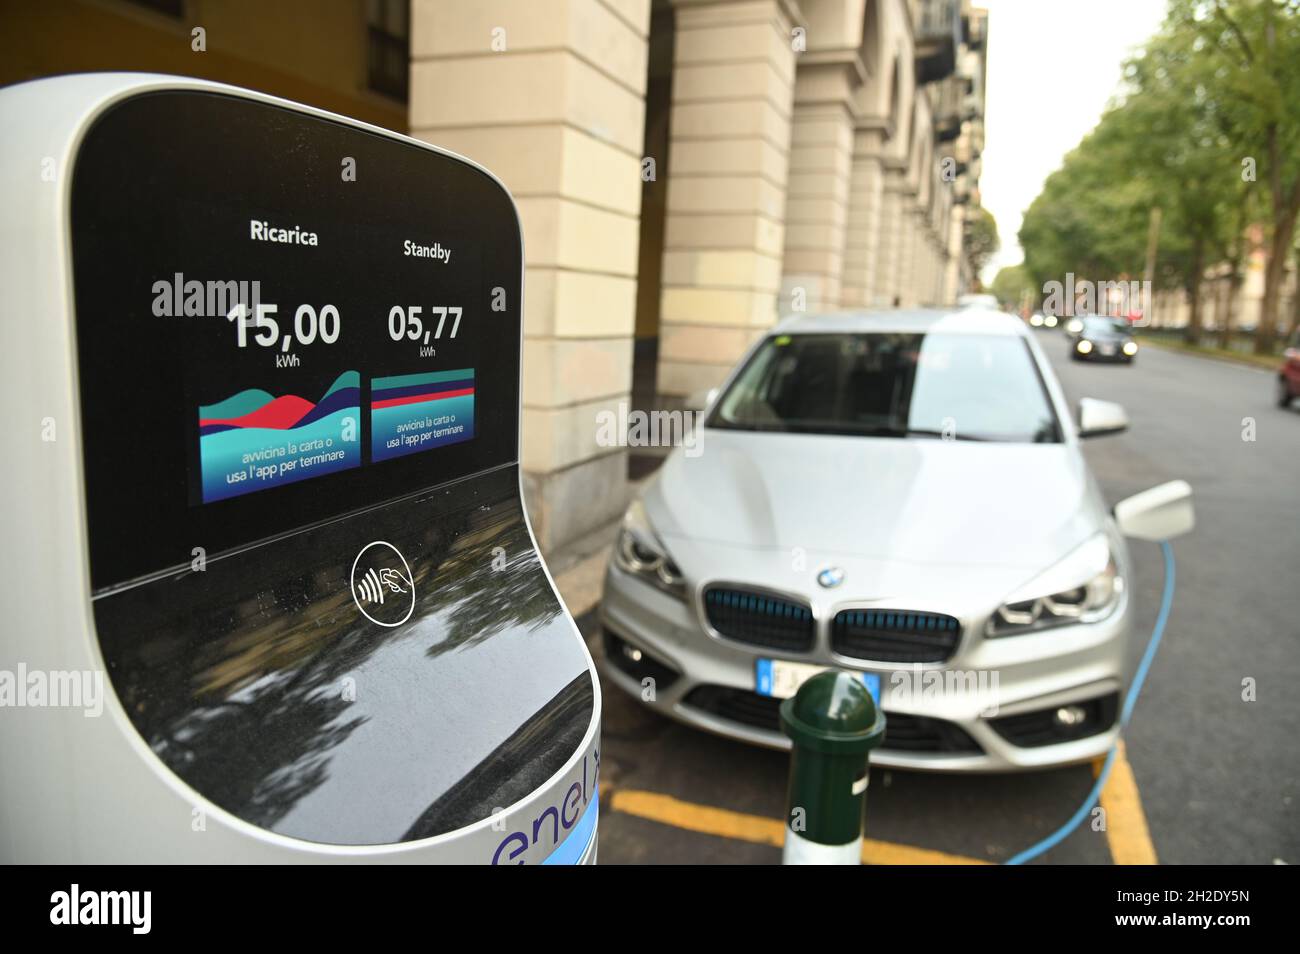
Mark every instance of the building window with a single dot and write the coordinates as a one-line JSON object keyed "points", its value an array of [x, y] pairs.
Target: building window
{"points": [[388, 28]]}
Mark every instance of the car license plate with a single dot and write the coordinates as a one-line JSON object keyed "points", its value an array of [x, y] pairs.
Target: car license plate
{"points": [[1108, 350], [782, 679]]}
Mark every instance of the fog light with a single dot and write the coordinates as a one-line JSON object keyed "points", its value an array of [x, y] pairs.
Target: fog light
{"points": [[1084, 346], [631, 652], [1070, 716]]}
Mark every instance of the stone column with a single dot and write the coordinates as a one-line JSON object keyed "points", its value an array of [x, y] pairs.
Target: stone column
{"points": [[920, 268], [952, 276], [924, 291], [817, 197], [931, 266], [941, 296], [928, 297], [733, 82], [862, 235], [908, 234], [550, 95], [891, 235], [912, 277]]}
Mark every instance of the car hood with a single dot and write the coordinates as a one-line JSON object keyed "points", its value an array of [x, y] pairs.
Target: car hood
{"points": [[917, 501]]}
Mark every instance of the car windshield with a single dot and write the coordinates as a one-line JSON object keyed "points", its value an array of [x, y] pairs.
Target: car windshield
{"points": [[962, 387], [1104, 326]]}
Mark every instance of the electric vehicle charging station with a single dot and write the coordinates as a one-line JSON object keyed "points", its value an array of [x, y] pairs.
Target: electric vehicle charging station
{"points": [[263, 363]]}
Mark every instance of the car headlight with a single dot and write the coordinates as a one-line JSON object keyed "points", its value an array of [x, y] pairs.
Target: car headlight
{"points": [[1130, 348], [1075, 326], [1083, 588], [640, 552], [1084, 346]]}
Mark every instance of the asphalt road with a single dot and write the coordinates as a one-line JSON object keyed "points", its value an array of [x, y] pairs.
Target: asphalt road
{"points": [[1216, 776], [1219, 776]]}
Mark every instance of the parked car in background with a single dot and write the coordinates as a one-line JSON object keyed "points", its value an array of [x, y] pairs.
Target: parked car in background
{"points": [[1288, 377], [901, 495], [1103, 339], [977, 300]]}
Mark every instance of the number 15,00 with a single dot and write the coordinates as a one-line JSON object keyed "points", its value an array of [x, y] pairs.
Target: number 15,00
{"points": [[307, 325]]}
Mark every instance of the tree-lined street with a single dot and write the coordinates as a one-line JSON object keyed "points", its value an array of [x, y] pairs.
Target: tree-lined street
{"points": [[1187, 177]]}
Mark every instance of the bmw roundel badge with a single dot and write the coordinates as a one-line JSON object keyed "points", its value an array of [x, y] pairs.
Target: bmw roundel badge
{"points": [[831, 577]]}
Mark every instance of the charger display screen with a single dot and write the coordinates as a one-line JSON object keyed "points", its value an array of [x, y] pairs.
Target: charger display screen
{"points": [[280, 318]]}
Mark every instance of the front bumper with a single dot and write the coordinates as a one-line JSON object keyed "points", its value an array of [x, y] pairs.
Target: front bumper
{"points": [[1097, 354], [708, 681]]}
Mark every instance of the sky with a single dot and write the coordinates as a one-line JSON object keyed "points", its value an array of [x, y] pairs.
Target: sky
{"points": [[1052, 67]]}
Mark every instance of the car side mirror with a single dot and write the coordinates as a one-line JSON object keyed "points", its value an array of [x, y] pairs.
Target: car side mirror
{"points": [[699, 400], [1097, 418], [1160, 513]]}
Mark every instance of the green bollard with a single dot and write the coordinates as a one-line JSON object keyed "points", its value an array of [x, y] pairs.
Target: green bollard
{"points": [[834, 724]]}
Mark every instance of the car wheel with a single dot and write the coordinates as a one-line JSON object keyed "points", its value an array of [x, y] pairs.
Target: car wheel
{"points": [[1284, 395]]}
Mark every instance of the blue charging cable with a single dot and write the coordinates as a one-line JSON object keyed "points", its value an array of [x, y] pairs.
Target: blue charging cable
{"points": [[1166, 603]]}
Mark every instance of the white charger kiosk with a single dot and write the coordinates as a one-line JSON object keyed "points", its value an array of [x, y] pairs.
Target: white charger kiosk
{"points": [[270, 591]]}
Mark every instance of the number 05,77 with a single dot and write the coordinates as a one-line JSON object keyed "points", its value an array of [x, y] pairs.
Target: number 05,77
{"points": [[406, 322]]}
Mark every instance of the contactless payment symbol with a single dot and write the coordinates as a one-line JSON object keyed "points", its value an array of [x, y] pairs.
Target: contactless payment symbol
{"points": [[382, 585]]}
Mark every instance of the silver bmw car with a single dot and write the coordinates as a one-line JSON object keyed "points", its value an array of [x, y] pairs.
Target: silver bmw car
{"points": [[901, 495]]}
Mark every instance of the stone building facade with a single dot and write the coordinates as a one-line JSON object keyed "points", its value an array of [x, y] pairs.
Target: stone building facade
{"points": [[805, 155], [687, 171]]}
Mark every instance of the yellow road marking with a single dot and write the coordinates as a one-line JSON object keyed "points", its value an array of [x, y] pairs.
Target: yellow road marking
{"points": [[759, 830], [888, 853], [1126, 823], [709, 821]]}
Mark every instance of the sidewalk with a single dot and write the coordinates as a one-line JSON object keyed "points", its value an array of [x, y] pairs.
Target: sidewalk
{"points": [[1262, 361]]}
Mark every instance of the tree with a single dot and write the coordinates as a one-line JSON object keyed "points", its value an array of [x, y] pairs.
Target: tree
{"points": [[1213, 98], [1237, 248], [1011, 285], [1178, 137], [981, 238], [1090, 220], [1246, 68], [1295, 298]]}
